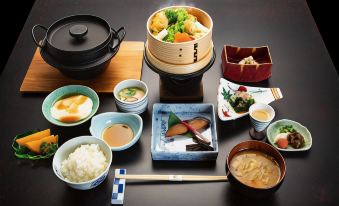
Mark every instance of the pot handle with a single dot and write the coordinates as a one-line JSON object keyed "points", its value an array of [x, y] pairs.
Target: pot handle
{"points": [[33, 36], [119, 37]]}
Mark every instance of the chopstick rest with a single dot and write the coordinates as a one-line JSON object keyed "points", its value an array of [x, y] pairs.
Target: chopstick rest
{"points": [[118, 188]]}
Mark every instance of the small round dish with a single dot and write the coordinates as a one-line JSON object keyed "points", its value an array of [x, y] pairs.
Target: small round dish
{"points": [[273, 131], [102, 121], [69, 147], [67, 91], [136, 107]]}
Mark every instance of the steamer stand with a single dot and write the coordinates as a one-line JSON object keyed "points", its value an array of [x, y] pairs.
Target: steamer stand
{"points": [[181, 87]]}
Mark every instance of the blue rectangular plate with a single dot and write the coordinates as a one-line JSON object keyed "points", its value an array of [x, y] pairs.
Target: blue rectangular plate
{"points": [[161, 149]]}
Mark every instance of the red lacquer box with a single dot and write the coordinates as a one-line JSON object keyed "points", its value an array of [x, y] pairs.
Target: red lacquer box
{"points": [[232, 55]]}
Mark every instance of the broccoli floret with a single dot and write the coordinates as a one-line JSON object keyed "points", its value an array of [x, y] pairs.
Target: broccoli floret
{"points": [[176, 18], [171, 16], [182, 15], [171, 32]]}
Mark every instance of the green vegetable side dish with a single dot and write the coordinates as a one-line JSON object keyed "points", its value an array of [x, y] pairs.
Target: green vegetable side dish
{"points": [[22, 152], [287, 129], [239, 100], [131, 94], [173, 120], [240, 105]]}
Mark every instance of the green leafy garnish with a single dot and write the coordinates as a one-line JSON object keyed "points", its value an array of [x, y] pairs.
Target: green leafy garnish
{"points": [[173, 120], [227, 95], [24, 153], [287, 129], [48, 148], [131, 92]]}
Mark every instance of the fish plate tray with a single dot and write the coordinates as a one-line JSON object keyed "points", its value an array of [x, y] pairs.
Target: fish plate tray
{"points": [[175, 149]]}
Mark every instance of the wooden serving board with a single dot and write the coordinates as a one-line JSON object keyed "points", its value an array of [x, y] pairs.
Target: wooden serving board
{"points": [[127, 64]]}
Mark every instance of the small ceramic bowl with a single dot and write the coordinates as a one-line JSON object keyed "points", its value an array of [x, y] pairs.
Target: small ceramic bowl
{"points": [[136, 107], [273, 131], [67, 91], [100, 122], [246, 189], [69, 147]]}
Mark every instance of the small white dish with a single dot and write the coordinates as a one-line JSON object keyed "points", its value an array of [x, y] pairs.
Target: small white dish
{"points": [[226, 88], [69, 147], [136, 107], [102, 121]]}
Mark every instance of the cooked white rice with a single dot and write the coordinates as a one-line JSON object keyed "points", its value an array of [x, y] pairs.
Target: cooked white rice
{"points": [[85, 163]]}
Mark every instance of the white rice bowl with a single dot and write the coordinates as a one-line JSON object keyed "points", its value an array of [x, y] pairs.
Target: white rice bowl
{"points": [[85, 163]]}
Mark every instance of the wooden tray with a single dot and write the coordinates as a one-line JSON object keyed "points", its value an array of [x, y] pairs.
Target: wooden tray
{"points": [[127, 64]]}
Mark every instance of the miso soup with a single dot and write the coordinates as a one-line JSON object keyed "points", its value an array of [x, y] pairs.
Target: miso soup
{"points": [[255, 169], [118, 135]]}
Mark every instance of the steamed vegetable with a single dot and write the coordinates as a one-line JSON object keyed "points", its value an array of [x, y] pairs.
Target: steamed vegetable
{"points": [[181, 37], [179, 26], [162, 34], [159, 22], [172, 30], [171, 15]]}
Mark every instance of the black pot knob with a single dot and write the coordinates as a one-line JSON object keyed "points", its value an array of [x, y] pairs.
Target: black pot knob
{"points": [[78, 31]]}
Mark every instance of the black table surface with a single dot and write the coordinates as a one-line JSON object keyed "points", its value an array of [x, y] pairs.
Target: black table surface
{"points": [[302, 69]]}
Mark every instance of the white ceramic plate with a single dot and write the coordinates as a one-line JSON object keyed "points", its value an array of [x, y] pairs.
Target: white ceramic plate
{"points": [[259, 94]]}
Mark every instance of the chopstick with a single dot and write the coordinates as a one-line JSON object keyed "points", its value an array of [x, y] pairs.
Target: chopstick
{"points": [[172, 177]]}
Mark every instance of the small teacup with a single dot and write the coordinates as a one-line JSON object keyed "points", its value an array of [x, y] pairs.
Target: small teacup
{"points": [[261, 116]]}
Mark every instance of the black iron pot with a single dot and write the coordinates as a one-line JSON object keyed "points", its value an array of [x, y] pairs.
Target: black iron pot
{"points": [[80, 46]]}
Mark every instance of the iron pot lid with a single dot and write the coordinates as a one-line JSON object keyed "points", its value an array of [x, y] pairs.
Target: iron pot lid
{"points": [[78, 33]]}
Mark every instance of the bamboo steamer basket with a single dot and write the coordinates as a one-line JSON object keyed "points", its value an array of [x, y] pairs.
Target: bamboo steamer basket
{"points": [[179, 68], [186, 52]]}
